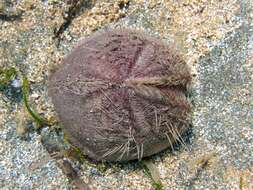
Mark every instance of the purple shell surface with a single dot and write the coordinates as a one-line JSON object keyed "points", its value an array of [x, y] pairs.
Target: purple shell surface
{"points": [[121, 95]]}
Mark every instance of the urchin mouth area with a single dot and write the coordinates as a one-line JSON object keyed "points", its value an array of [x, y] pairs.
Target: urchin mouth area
{"points": [[159, 81], [161, 93]]}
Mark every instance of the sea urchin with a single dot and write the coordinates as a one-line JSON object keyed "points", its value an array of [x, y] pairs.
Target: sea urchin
{"points": [[121, 95]]}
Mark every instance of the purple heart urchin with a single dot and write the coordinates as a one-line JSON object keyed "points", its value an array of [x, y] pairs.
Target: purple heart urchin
{"points": [[121, 95]]}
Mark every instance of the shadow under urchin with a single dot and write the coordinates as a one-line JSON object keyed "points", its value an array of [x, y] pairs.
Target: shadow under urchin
{"points": [[122, 95]]}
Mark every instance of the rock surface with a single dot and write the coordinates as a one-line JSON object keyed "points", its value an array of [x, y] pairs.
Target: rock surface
{"points": [[216, 38]]}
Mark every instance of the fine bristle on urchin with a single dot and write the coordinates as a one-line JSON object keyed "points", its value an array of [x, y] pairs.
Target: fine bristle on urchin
{"points": [[122, 95]]}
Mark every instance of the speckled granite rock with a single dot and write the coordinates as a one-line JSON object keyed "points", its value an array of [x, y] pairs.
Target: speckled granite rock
{"points": [[216, 38], [223, 119]]}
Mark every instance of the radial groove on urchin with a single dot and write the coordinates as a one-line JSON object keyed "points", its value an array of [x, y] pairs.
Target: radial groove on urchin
{"points": [[122, 95]]}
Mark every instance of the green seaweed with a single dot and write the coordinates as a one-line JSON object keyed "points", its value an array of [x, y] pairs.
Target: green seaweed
{"points": [[73, 152], [25, 92], [6, 75], [157, 185]]}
